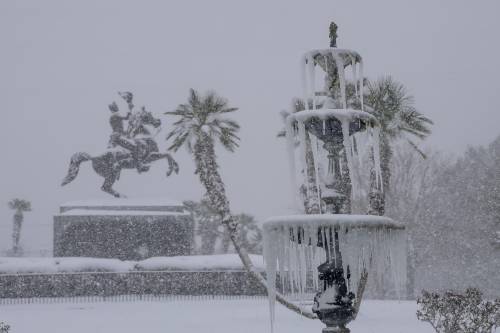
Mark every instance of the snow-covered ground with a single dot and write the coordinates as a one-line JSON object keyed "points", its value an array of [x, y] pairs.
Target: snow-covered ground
{"points": [[217, 316]]}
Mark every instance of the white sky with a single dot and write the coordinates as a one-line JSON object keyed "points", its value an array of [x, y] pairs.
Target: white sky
{"points": [[61, 63]]}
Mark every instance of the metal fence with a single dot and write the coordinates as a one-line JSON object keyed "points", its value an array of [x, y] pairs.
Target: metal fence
{"points": [[124, 298], [109, 286]]}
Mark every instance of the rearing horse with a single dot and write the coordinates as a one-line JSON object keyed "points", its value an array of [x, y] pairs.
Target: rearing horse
{"points": [[137, 148]]}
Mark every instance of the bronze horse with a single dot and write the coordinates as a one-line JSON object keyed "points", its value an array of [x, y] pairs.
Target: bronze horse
{"points": [[135, 150]]}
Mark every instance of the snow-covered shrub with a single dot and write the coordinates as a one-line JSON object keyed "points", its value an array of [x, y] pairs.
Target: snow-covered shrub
{"points": [[459, 313], [4, 328]]}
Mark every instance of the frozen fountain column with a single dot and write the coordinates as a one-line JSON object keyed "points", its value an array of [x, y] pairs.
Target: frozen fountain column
{"points": [[341, 70]]}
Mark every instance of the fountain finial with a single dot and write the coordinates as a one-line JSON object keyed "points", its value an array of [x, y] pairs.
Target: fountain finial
{"points": [[333, 34]]}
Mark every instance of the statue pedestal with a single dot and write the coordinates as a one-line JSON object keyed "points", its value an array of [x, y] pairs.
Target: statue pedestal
{"points": [[126, 229]]}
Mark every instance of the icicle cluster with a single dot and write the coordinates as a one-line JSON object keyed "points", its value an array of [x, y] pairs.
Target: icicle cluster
{"points": [[330, 58], [362, 147], [362, 151], [376, 244]]}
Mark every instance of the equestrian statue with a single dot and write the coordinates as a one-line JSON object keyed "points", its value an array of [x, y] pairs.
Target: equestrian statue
{"points": [[133, 147]]}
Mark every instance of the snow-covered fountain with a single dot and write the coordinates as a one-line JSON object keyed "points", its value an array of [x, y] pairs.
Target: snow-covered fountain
{"points": [[333, 148]]}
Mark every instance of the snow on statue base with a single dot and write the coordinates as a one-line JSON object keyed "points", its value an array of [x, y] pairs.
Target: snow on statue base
{"points": [[126, 229]]}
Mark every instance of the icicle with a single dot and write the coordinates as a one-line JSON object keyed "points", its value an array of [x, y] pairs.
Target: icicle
{"points": [[350, 166], [340, 69], [312, 78], [290, 140], [376, 157], [314, 146], [270, 256], [354, 75], [324, 241], [305, 91], [361, 84], [314, 245], [377, 248], [281, 256], [356, 256], [342, 239], [287, 261], [289, 258], [302, 262], [330, 244], [327, 90], [302, 156]]}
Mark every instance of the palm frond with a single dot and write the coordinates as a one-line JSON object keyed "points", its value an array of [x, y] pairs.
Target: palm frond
{"points": [[20, 205], [226, 110], [391, 104], [200, 115], [179, 141]]}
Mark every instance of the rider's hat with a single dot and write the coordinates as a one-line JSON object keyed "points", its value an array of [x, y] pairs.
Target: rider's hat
{"points": [[113, 107]]}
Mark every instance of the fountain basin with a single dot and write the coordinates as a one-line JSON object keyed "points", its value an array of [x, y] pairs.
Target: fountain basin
{"points": [[332, 253]]}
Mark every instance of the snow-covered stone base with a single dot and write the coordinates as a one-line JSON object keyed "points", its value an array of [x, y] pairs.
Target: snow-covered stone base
{"points": [[127, 229]]}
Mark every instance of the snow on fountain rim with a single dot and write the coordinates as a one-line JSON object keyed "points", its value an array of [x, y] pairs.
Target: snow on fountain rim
{"points": [[326, 220], [341, 114], [334, 50]]}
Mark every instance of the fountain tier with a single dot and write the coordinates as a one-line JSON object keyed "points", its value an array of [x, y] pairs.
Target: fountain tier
{"points": [[296, 246]]}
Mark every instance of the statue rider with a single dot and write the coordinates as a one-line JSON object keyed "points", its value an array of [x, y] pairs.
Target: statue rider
{"points": [[116, 122], [118, 132]]}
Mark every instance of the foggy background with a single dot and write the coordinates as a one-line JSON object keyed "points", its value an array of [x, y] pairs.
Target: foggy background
{"points": [[62, 62]]}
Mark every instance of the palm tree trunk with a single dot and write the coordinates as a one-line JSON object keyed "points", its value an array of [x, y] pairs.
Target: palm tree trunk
{"points": [[16, 232], [207, 170]]}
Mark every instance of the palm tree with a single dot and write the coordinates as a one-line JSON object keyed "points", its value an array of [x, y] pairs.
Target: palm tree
{"points": [[202, 123], [389, 101], [20, 206]]}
